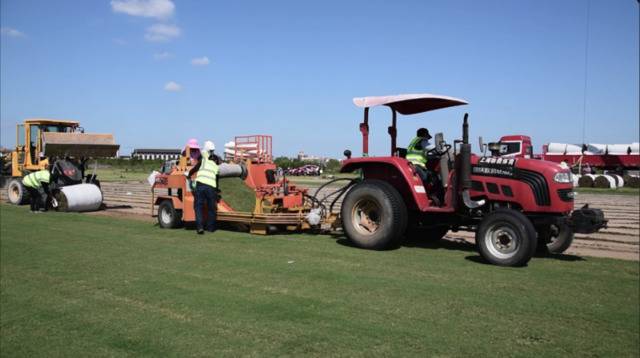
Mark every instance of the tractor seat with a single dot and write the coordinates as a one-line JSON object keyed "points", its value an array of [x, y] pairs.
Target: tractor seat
{"points": [[401, 152], [446, 160]]}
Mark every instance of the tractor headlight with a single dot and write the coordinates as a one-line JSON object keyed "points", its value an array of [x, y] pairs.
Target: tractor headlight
{"points": [[562, 177]]}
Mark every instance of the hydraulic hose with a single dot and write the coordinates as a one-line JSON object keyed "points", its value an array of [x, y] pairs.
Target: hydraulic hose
{"points": [[330, 182], [344, 190]]}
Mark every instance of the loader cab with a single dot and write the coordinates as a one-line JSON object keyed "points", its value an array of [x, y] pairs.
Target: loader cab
{"points": [[29, 143]]}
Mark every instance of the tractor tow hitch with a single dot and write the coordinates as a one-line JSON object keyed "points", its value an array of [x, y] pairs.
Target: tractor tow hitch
{"points": [[586, 220]]}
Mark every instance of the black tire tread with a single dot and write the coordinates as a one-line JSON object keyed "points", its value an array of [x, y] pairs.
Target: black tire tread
{"points": [[176, 215], [560, 245], [398, 208], [25, 194], [524, 224]]}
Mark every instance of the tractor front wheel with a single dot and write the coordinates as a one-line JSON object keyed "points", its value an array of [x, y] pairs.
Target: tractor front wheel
{"points": [[374, 215], [16, 192], [168, 216], [555, 239], [506, 237]]}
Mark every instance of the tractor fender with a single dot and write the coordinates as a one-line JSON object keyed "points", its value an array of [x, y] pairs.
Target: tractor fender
{"points": [[177, 203], [396, 171]]}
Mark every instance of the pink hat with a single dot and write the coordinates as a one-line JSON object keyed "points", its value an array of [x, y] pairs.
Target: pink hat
{"points": [[193, 143]]}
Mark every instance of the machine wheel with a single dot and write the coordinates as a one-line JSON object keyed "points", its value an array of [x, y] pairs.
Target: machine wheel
{"points": [[16, 192], [168, 216], [555, 239], [374, 215], [506, 238]]}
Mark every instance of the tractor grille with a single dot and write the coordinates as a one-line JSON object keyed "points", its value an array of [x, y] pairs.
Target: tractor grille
{"points": [[538, 185], [566, 194]]}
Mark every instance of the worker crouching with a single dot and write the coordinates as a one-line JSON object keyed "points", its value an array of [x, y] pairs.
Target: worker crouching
{"points": [[37, 184], [206, 193]]}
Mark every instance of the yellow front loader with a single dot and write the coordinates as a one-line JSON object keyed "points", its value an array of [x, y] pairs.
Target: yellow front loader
{"points": [[65, 147]]}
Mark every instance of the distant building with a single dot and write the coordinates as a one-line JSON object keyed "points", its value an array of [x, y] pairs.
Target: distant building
{"points": [[309, 158], [152, 154]]}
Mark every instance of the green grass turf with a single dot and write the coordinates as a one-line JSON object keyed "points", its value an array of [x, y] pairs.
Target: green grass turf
{"points": [[239, 196], [618, 191], [122, 174], [82, 285]]}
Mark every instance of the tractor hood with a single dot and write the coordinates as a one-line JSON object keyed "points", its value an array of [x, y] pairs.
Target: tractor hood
{"points": [[79, 145], [410, 103]]}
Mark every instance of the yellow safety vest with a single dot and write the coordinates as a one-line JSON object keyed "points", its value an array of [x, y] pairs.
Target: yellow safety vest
{"points": [[415, 156], [207, 172], [34, 180]]}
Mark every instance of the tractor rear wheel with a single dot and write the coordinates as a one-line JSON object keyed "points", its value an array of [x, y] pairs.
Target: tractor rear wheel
{"points": [[555, 239], [168, 216], [16, 192], [374, 215], [506, 238]]}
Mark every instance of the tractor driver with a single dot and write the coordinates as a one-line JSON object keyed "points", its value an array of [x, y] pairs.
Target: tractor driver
{"points": [[37, 184], [206, 187], [416, 153]]}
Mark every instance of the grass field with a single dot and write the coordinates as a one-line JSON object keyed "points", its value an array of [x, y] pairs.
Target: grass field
{"points": [[619, 191], [82, 285], [123, 174]]}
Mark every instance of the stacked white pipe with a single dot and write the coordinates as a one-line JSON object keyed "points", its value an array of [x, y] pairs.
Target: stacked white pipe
{"points": [[593, 149], [242, 150]]}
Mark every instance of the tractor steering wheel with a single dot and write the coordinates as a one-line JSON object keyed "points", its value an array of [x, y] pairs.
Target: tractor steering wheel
{"points": [[435, 152]]}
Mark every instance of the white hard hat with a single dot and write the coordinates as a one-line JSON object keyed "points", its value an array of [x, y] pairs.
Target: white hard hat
{"points": [[208, 146]]}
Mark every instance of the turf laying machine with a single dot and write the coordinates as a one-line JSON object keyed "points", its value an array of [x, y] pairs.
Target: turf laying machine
{"points": [[63, 147], [514, 205], [277, 205]]}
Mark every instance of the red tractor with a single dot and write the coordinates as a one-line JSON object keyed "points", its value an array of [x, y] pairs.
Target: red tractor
{"points": [[510, 203]]}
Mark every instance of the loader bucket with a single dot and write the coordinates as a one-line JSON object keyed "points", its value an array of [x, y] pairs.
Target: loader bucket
{"points": [[79, 145]]}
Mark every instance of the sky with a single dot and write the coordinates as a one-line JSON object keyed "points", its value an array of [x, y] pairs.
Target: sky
{"points": [[158, 72]]}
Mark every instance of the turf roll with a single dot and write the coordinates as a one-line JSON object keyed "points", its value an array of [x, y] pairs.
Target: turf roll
{"points": [[602, 182], [237, 194], [585, 181], [633, 182]]}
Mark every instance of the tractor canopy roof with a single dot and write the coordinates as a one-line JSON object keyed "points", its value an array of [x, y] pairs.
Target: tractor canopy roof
{"points": [[51, 121], [410, 103]]}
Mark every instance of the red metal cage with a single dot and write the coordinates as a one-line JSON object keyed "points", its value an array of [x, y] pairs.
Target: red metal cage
{"points": [[255, 147]]}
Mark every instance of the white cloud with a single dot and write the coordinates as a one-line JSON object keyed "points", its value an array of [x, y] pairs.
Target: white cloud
{"points": [[159, 9], [200, 61], [11, 32], [172, 87], [162, 32], [162, 55]]}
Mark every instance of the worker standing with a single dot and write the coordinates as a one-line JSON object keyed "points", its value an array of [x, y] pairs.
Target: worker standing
{"points": [[37, 184], [416, 152], [205, 191]]}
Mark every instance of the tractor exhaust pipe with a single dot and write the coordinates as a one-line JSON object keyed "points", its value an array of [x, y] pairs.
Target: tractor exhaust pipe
{"points": [[465, 167]]}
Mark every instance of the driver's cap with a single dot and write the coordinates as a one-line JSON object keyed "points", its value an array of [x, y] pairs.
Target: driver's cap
{"points": [[423, 132]]}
